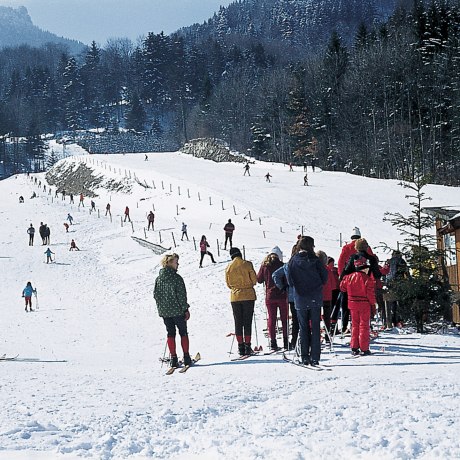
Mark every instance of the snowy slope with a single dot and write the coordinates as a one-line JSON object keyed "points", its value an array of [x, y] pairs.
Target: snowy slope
{"points": [[88, 383]]}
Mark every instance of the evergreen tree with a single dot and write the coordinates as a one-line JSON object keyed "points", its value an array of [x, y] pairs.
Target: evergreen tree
{"points": [[425, 293], [136, 116]]}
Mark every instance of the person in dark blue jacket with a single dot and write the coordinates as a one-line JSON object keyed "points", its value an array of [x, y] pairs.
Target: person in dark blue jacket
{"points": [[307, 275]]}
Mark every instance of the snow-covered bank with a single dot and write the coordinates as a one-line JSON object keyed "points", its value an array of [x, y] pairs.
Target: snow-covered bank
{"points": [[88, 382]]}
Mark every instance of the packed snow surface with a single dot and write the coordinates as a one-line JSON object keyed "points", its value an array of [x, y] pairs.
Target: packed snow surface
{"points": [[88, 382]]}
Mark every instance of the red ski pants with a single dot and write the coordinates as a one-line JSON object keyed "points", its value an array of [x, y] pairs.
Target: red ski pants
{"points": [[360, 324]]}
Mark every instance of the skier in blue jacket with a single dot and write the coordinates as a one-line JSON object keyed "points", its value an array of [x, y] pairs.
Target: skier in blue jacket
{"points": [[27, 294]]}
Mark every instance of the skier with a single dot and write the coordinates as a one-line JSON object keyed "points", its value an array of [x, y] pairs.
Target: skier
{"points": [[267, 177], [66, 226], [241, 279], [42, 231], [48, 253], [31, 233], [21, 199], [274, 298], [81, 200], [127, 214], [151, 220], [184, 231], [305, 179], [93, 206], [63, 195], [307, 275], [70, 218], [229, 229], [71, 198], [34, 195], [146, 158], [47, 234], [246, 169], [347, 251], [280, 278], [204, 245], [171, 298], [27, 294], [73, 246], [290, 167], [107, 210], [360, 288]]}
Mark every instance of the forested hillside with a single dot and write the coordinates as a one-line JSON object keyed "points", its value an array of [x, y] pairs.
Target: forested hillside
{"points": [[378, 97]]}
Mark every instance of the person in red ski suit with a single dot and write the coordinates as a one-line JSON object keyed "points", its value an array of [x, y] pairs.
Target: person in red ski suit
{"points": [[274, 298], [360, 288]]}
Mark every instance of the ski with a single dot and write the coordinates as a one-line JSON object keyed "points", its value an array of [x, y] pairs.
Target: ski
{"points": [[8, 358], [243, 357], [194, 360], [171, 370], [312, 367]]}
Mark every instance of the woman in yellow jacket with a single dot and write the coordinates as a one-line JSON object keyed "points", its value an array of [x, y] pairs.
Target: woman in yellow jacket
{"points": [[241, 279]]}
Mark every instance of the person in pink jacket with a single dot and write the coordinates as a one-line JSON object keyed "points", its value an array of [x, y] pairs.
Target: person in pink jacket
{"points": [[275, 298], [327, 294], [360, 288]]}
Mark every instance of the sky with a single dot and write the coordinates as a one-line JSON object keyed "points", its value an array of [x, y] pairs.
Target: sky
{"points": [[88, 382], [99, 20]]}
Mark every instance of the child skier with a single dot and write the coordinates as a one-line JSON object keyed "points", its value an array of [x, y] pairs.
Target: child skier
{"points": [[27, 294]]}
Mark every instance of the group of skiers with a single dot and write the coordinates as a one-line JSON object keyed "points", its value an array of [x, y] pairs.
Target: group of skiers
{"points": [[310, 285]]}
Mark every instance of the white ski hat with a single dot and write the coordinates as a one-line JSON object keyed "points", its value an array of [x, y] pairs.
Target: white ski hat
{"points": [[355, 234], [276, 250]]}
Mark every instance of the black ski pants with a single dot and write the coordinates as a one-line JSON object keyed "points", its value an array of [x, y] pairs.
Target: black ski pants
{"points": [[173, 322], [243, 312]]}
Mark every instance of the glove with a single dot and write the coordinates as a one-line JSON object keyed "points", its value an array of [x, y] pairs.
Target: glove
{"points": [[187, 315]]}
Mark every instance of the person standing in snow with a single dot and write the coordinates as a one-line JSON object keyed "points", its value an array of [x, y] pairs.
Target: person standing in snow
{"points": [[246, 169], [307, 274], [360, 288], [127, 214], [305, 179], [81, 200], [27, 294], [151, 220], [48, 253], [71, 198], [70, 218], [66, 226], [47, 234], [184, 231], [93, 206], [267, 177], [204, 245], [107, 210], [280, 278], [327, 295], [42, 231], [31, 233], [229, 228], [241, 279], [347, 251], [275, 299], [171, 298]]}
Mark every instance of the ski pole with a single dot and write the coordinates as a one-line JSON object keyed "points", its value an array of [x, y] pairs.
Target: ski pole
{"points": [[231, 346], [255, 328], [164, 354], [36, 300]]}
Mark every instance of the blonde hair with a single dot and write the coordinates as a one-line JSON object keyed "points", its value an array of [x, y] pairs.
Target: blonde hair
{"points": [[322, 257], [361, 244], [167, 258]]}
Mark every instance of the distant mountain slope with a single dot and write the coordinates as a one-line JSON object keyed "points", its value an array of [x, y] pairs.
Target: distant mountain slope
{"points": [[300, 22], [16, 28]]}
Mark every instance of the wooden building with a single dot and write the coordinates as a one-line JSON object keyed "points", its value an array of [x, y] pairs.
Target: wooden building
{"points": [[448, 242]]}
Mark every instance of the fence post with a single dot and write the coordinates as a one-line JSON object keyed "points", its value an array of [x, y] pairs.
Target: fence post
{"points": [[263, 231], [174, 240], [218, 248], [132, 226], [159, 234], [188, 193], [153, 182], [177, 209], [260, 221], [170, 188], [340, 240], [162, 185], [244, 252], [250, 217], [199, 197], [210, 202], [222, 201], [121, 220], [178, 189], [234, 210], [194, 242], [145, 233], [153, 206], [210, 225]]}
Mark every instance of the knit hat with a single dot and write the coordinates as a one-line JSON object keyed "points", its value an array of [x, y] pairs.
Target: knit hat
{"points": [[361, 244], [277, 251], [360, 263], [356, 233], [235, 252]]}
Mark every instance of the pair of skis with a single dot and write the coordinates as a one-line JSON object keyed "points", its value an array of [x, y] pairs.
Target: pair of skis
{"points": [[314, 367], [8, 358], [184, 369]]}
